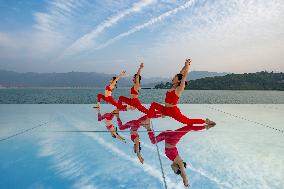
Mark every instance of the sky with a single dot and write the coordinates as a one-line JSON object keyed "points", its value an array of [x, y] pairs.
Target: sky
{"points": [[112, 35]]}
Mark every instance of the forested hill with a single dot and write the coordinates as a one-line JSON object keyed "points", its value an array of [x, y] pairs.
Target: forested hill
{"points": [[248, 81]]}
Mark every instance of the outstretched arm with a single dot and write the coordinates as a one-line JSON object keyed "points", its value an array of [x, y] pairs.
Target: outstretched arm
{"points": [[182, 71], [179, 161], [138, 74], [185, 70], [118, 77]]}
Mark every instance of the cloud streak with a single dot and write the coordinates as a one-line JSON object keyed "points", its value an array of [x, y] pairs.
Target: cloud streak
{"points": [[86, 41], [147, 24]]}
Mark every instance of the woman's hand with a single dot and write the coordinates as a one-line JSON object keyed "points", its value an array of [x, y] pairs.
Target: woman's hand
{"points": [[123, 73], [187, 62]]}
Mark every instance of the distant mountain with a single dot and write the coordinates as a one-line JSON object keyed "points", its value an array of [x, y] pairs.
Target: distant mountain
{"points": [[193, 75], [248, 81], [202, 74], [80, 79]]}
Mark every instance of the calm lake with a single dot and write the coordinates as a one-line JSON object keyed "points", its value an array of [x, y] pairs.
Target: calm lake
{"points": [[88, 96]]}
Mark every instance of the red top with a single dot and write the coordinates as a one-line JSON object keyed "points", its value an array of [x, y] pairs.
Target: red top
{"points": [[133, 91], [171, 97], [108, 88]]}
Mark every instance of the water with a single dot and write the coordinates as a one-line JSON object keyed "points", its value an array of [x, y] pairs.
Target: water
{"points": [[237, 153], [88, 96]]}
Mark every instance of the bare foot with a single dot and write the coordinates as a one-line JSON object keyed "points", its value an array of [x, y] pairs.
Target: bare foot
{"points": [[115, 111], [209, 122], [209, 126], [96, 106]]}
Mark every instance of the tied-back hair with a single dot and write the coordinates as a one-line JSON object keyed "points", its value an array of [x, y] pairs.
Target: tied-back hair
{"points": [[180, 78], [113, 78], [139, 78]]}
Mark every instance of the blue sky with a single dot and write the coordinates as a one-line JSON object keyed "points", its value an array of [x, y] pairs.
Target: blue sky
{"points": [[108, 36]]}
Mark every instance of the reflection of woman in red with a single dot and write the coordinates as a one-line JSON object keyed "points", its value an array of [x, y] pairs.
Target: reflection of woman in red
{"points": [[133, 101], [108, 120], [134, 125], [108, 92], [172, 96], [171, 139]]}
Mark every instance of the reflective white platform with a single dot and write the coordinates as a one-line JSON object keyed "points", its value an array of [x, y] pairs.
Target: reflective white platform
{"points": [[242, 151]]}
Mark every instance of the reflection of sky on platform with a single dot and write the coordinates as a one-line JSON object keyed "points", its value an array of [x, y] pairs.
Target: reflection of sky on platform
{"points": [[235, 154]]}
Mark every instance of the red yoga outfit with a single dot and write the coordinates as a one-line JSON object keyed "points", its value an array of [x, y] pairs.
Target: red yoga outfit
{"points": [[134, 125], [174, 111], [107, 116], [109, 99], [134, 102], [172, 138]]}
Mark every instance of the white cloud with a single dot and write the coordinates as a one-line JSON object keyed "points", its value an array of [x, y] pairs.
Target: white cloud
{"points": [[147, 24], [231, 36], [86, 41]]}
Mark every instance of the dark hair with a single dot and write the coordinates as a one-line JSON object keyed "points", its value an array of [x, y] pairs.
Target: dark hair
{"points": [[179, 76], [178, 171], [139, 78], [113, 78]]}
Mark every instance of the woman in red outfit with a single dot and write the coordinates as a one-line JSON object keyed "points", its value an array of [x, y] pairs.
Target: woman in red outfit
{"points": [[133, 101], [172, 96], [108, 120], [171, 139], [134, 125], [108, 91]]}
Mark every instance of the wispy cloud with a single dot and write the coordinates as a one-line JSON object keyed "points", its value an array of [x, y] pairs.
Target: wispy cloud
{"points": [[52, 27], [232, 36], [147, 24], [86, 41]]}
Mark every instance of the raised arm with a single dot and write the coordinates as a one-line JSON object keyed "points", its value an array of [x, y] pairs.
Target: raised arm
{"points": [[179, 161], [118, 77], [138, 75], [185, 70], [182, 71]]}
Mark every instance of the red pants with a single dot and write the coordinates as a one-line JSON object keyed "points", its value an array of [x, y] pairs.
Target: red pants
{"points": [[133, 102], [173, 112], [110, 100], [134, 124], [172, 138]]}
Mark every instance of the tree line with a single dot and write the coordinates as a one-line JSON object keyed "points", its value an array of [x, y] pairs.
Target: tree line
{"points": [[248, 81]]}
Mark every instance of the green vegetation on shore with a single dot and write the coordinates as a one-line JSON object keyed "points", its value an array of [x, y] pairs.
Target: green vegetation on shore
{"points": [[248, 81]]}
